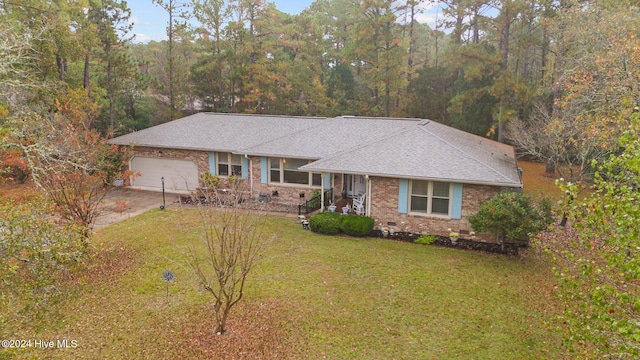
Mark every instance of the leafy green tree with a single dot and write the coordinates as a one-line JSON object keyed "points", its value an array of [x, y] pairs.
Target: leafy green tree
{"points": [[432, 91], [378, 51], [341, 89], [112, 24], [210, 74], [176, 26], [472, 106], [598, 258], [35, 256]]}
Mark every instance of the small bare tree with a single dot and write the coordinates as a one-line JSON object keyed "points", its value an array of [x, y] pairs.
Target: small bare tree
{"points": [[232, 239]]}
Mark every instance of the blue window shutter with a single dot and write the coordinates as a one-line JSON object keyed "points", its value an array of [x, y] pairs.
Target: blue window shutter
{"points": [[264, 170], [212, 163], [456, 201], [327, 181], [403, 196], [245, 168]]}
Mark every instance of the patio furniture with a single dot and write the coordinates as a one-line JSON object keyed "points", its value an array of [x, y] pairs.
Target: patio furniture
{"points": [[264, 198], [358, 204]]}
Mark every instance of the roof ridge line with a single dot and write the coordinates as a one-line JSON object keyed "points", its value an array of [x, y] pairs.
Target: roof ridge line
{"points": [[473, 158], [377, 118], [286, 134], [361, 145], [213, 113]]}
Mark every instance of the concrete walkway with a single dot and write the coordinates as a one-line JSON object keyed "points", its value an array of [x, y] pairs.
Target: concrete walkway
{"points": [[124, 203]]}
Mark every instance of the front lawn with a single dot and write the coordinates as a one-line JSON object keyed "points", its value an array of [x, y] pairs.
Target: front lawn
{"points": [[310, 296]]}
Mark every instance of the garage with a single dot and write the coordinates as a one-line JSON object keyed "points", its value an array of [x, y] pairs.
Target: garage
{"points": [[179, 175]]}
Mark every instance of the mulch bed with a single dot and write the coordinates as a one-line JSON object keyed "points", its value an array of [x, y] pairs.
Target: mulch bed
{"points": [[467, 244]]}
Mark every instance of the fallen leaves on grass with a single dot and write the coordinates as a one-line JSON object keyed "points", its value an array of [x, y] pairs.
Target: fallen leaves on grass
{"points": [[256, 331], [105, 264]]}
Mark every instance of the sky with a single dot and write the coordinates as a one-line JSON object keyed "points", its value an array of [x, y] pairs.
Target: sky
{"points": [[150, 21]]}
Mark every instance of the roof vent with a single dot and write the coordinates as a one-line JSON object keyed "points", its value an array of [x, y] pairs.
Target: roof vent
{"points": [[424, 122]]}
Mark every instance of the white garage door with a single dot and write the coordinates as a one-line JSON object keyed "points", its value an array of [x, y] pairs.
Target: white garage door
{"points": [[179, 175]]}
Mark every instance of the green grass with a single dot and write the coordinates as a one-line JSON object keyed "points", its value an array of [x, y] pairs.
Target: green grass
{"points": [[310, 296]]}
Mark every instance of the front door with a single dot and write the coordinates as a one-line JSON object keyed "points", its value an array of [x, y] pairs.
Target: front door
{"points": [[356, 185]]}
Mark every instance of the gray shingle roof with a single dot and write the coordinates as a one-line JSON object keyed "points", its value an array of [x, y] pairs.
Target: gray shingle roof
{"points": [[428, 150], [216, 132], [409, 148], [329, 137]]}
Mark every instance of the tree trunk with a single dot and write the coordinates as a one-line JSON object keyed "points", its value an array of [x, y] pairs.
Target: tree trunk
{"points": [[87, 76], [60, 65], [110, 90], [550, 167]]}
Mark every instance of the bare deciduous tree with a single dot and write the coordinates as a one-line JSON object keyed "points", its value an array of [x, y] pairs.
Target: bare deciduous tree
{"points": [[17, 59], [70, 162], [558, 140], [231, 240]]}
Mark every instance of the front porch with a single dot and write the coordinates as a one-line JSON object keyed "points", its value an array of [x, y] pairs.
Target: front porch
{"points": [[349, 190]]}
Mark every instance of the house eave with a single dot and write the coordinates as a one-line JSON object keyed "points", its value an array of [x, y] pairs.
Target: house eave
{"points": [[156, 146], [270, 155], [428, 178]]}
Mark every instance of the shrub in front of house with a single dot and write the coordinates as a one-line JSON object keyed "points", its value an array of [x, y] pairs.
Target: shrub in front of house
{"points": [[426, 239], [512, 217], [356, 225], [326, 223]]}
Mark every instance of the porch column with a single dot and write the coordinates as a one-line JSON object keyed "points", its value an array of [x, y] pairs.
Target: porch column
{"points": [[367, 206], [322, 175]]}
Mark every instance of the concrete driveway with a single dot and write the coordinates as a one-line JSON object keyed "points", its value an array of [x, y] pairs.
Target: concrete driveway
{"points": [[123, 203]]}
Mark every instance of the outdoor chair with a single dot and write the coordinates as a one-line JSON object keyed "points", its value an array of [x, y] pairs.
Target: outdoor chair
{"points": [[358, 204]]}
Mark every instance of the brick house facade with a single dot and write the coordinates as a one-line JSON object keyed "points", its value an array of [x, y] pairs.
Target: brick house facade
{"points": [[420, 176], [384, 209], [384, 194]]}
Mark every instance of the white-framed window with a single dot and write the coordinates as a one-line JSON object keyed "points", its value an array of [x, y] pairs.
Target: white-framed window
{"points": [[430, 197], [285, 171], [229, 164]]}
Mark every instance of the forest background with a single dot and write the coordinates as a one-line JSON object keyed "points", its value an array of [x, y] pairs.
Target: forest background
{"points": [[548, 76], [558, 79]]}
